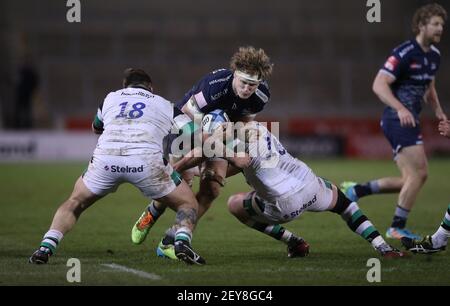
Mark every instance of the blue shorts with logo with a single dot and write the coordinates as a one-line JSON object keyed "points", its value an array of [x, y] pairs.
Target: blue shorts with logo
{"points": [[400, 137]]}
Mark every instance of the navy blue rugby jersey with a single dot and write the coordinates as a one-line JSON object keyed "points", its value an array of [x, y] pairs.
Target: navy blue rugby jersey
{"points": [[413, 70], [214, 91]]}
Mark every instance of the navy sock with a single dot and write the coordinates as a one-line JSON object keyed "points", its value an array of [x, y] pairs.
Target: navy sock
{"points": [[400, 217], [368, 188]]}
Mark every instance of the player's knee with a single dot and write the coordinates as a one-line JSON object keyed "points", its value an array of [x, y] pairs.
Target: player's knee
{"points": [[234, 204], [342, 202], [422, 174], [73, 205], [419, 175]]}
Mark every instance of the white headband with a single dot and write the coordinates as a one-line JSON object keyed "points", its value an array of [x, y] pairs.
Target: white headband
{"points": [[248, 77]]}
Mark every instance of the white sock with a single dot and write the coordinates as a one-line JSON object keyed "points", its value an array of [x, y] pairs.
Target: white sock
{"points": [[376, 242], [439, 239], [51, 239]]}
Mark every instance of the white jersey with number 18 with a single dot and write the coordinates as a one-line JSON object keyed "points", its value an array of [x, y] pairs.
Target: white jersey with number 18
{"points": [[134, 121]]}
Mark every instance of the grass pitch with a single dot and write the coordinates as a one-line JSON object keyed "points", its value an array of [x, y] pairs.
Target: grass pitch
{"points": [[235, 254]]}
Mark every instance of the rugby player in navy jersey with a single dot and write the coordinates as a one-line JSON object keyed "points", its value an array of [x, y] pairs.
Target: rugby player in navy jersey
{"points": [[438, 241], [403, 83], [241, 91]]}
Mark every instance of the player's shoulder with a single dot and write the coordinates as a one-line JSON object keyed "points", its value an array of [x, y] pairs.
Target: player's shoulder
{"points": [[115, 93], [405, 48], [219, 77], [263, 91], [215, 85], [221, 72], [111, 98], [161, 100], [162, 103], [435, 50]]}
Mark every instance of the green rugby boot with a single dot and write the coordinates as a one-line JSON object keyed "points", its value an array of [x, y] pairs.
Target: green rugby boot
{"points": [[166, 251], [141, 228], [348, 188]]}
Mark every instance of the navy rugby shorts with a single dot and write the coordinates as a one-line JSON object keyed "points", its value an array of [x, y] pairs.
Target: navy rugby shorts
{"points": [[400, 137]]}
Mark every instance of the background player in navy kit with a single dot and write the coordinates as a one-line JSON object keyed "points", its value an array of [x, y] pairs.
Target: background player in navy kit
{"points": [[241, 91], [405, 80], [438, 241]]}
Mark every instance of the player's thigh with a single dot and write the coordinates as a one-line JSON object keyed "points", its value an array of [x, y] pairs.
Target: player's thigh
{"points": [[182, 195], [236, 202], [401, 137], [102, 176], [317, 196], [157, 178], [82, 196], [412, 159]]}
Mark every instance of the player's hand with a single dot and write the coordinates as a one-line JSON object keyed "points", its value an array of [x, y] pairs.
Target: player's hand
{"points": [[444, 128], [240, 162], [406, 118]]}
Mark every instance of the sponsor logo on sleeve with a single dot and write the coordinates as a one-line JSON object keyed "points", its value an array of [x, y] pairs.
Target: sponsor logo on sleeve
{"points": [[391, 63]]}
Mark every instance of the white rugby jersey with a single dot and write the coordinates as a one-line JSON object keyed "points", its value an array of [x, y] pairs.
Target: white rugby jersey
{"points": [[135, 121], [273, 172]]}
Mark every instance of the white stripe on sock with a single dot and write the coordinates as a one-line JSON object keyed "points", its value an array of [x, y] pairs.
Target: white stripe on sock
{"points": [[363, 226], [351, 209]]}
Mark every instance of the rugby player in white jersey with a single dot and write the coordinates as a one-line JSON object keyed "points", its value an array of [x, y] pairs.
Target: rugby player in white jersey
{"points": [[285, 187], [132, 122]]}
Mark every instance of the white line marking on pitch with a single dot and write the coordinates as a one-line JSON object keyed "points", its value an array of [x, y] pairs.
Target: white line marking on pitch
{"points": [[139, 273]]}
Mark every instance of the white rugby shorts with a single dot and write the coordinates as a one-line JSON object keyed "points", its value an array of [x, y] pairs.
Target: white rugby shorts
{"points": [[154, 177], [315, 196]]}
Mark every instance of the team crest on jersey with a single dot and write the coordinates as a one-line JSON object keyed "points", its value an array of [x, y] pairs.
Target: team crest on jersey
{"points": [[391, 63]]}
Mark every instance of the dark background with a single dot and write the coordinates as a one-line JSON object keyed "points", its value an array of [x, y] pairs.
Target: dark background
{"points": [[326, 53]]}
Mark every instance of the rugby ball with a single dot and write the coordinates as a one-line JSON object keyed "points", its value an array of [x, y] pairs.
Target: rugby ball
{"points": [[213, 120]]}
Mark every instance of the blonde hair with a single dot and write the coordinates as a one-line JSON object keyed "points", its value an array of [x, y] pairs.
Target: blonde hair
{"points": [[423, 15], [252, 61]]}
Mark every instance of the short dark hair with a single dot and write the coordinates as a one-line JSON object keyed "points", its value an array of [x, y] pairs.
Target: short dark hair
{"points": [[424, 13], [136, 76]]}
